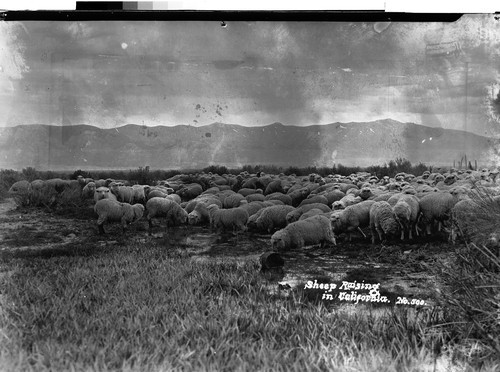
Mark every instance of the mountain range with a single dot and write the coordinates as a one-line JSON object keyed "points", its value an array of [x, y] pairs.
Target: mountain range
{"points": [[195, 147]]}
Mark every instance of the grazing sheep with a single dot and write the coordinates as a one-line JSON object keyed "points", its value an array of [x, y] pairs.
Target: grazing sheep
{"points": [[382, 220], [232, 201], [352, 218], [406, 212], [273, 218], [333, 196], [174, 197], [464, 218], [199, 215], [255, 197], [436, 207], [37, 194], [286, 199], [110, 210], [252, 207], [103, 193], [312, 212], [190, 191], [124, 194], [298, 195], [234, 219], [311, 231], [20, 192], [295, 214], [139, 193], [162, 207], [346, 201], [246, 192], [314, 199]]}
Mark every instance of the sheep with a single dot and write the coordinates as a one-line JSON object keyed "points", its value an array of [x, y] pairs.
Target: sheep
{"points": [[273, 218], [37, 187], [139, 194], [199, 215], [298, 195], [162, 207], [252, 207], [352, 218], [20, 192], [286, 199], [349, 199], [174, 197], [382, 220], [436, 206], [406, 212], [88, 190], [255, 197], [103, 193], [234, 219], [312, 212], [311, 231], [295, 214], [314, 199], [124, 194], [246, 192], [464, 214], [110, 210], [232, 201], [190, 191]]}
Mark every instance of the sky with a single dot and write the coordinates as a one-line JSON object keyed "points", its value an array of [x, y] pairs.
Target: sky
{"points": [[110, 74]]}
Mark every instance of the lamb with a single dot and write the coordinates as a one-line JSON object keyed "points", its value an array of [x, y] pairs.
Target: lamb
{"points": [[103, 193], [234, 219], [311, 231], [436, 206], [295, 214], [273, 218], [382, 220], [110, 210], [352, 218], [162, 207], [406, 212]]}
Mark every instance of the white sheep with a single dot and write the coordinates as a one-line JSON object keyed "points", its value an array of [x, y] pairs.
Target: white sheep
{"points": [[352, 218], [232, 201], [103, 193], [273, 218], [20, 191], [234, 219], [382, 220], [113, 211], [169, 209], [312, 212], [436, 207], [406, 212], [88, 190], [295, 214], [310, 231]]}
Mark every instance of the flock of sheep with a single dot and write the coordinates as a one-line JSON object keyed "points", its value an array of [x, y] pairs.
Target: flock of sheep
{"points": [[297, 211]]}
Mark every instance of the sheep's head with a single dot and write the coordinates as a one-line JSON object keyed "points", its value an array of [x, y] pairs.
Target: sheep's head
{"points": [[138, 211], [279, 240], [337, 205], [194, 218], [365, 193], [102, 192]]}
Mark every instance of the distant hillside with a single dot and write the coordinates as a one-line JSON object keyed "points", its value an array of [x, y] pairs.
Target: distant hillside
{"points": [[131, 146]]}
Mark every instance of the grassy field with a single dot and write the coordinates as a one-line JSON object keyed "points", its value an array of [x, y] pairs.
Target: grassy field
{"points": [[136, 307]]}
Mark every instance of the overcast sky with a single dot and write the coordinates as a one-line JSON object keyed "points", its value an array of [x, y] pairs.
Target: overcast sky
{"points": [[110, 74]]}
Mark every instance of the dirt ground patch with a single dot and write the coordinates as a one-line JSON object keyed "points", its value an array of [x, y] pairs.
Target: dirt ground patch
{"points": [[401, 268]]}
